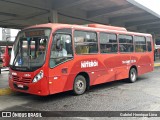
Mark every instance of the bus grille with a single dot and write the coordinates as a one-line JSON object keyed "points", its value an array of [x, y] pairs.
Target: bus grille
{"points": [[21, 79]]}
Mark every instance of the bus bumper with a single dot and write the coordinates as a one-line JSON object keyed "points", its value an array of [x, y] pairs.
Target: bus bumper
{"points": [[40, 88]]}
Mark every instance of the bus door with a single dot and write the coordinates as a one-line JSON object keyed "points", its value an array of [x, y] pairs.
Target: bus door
{"points": [[60, 56]]}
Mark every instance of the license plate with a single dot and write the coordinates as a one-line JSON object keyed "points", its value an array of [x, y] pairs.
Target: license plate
{"points": [[20, 86]]}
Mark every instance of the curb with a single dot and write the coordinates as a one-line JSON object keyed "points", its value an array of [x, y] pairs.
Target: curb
{"points": [[156, 64], [5, 91]]}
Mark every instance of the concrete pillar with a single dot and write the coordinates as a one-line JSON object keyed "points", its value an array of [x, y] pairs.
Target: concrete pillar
{"points": [[154, 41], [53, 16], [154, 38]]}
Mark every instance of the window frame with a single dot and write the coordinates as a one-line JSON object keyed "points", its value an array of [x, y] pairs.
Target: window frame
{"points": [[108, 43], [97, 41], [140, 44], [126, 43], [53, 35]]}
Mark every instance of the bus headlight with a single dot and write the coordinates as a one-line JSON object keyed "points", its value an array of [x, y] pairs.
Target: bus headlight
{"points": [[38, 77]]}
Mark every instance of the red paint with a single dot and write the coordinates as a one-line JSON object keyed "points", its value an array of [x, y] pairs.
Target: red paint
{"points": [[6, 56], [60, 78]]}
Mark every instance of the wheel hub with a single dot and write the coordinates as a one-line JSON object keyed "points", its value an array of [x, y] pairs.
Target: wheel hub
{"points": [[133, 76], [79, 85]]}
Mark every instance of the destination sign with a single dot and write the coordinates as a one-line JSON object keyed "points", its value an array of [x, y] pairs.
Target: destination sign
{"points": [[34, 33]]}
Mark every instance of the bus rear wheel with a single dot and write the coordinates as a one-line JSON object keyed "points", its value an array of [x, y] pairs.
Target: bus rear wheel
{"points": [[132, 75], [80, 85]]}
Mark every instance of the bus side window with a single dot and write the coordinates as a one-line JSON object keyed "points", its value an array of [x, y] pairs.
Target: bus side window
{"points": [[108, 43], [140, 44], [85, 42], [61, 49], [125, 43]]}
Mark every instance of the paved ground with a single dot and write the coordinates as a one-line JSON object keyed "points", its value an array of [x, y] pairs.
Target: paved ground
{"points": [[4, 79], [144, 95], [157, 63]]}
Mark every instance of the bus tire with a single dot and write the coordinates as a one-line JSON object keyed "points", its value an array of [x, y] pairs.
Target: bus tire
{"points": [[79, 86], [132, 75]]}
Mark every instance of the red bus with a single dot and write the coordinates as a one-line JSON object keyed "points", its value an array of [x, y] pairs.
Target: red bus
{"points": [[76, 57], [5, 55]]}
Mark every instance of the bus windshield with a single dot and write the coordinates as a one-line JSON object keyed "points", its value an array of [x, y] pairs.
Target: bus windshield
{"points": [[29, 50]]}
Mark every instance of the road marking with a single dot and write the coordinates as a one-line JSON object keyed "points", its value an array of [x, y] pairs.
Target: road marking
{"points": [[5, 91]]}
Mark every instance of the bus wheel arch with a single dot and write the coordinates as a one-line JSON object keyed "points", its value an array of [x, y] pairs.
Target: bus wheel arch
{"points": [[84, 77], [133, 73]]}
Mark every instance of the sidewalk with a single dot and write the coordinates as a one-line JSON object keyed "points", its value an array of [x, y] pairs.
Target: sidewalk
{"points": [[157, 62], [4, 79], [4, 88]]}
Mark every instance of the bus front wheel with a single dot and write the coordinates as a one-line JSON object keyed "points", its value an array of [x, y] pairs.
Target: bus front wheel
{"points": [[80, 85], [132, 75]]}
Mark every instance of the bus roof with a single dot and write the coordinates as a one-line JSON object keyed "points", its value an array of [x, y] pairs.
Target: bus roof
{"points": [[91, 27]]}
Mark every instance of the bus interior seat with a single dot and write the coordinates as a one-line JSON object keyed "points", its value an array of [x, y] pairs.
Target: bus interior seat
{"points": [[82, 49]]}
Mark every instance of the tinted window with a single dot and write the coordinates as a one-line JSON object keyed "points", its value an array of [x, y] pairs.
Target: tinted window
{"points": [[140, 44], [67, 30], [85, 42], [61, 50], [108, 43], [125, 43], [125, 39]]}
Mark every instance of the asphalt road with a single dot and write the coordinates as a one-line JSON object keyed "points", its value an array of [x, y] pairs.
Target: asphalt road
{"points": [[143, 95]]}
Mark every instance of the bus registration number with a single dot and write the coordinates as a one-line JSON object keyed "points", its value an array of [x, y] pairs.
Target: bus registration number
{"points": [[20, 86]]}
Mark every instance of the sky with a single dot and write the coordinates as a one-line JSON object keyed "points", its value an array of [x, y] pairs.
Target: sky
{"points": [[154, 5]]}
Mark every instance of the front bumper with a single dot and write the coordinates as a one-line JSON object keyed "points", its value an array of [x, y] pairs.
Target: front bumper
{"points": [[40, 88]]}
